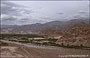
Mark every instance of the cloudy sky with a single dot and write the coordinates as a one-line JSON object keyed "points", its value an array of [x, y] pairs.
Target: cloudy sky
{"points": [[30, 12]]}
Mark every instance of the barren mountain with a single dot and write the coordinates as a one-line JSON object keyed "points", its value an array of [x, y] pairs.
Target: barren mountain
{"points": [[72, 32], [54, 25]]}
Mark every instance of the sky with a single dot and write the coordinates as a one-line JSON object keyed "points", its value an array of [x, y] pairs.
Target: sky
{"points": [[31, 12]]}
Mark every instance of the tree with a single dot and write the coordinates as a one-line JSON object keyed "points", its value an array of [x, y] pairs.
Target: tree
{"points": [[62, 44]]}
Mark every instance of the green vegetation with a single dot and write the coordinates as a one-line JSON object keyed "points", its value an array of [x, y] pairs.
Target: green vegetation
{"points": [[28, 38], [73, 46], [52, 40], [19, 35], [3, 44]]}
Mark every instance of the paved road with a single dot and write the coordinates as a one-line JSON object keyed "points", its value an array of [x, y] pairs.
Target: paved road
{"points": [[33, 51]]}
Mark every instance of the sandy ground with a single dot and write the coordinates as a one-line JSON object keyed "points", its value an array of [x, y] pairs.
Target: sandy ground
{"points": [[18, 50], [32, 52], [10, 52]]}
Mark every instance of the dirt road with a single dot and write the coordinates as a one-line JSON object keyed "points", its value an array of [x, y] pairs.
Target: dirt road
{"points": [[30, 51]]}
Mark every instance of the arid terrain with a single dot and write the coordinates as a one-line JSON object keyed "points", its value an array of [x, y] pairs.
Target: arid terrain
{"points": [[18, 50], [44, 29]]}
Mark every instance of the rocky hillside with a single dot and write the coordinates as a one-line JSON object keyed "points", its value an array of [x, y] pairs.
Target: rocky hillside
{"points": [[72, 32]]}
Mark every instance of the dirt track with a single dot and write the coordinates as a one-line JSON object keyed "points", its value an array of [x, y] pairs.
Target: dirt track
{"points": [[54, 53], [29, 51]]}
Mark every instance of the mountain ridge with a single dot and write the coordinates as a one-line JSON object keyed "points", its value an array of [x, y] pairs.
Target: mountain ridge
{"points": [[52, 25]]}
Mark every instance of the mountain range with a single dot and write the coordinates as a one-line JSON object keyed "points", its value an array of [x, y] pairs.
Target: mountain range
{"points": [[72, 32], [38, 27]]}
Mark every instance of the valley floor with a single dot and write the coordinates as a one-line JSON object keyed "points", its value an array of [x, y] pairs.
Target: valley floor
{"points": [[22, 51]]}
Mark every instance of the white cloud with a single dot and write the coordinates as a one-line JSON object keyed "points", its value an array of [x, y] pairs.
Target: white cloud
{"points": [[43, 11]]}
